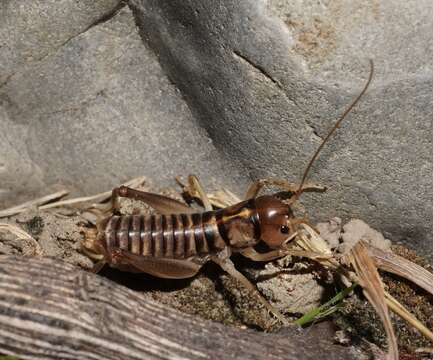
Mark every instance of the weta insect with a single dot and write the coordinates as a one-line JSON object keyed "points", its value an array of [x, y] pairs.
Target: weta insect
{"points": [[177, 242]]}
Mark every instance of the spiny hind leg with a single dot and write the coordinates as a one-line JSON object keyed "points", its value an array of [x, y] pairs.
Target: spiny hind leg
{"points": [[252, 254], [125, 192], [277, 254], [115, 203], [165, 268], [228, 266], [97, 267], [259, 184], [162, 204]]}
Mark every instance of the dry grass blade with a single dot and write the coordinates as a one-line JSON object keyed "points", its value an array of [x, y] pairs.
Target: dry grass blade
{"points": [[22, 235], [311, 242], [424, 350], [220, 199], [29, 204], [401, 311], [400, 266], [98, 198], [319, 257], [223, 198], [371, 283]]}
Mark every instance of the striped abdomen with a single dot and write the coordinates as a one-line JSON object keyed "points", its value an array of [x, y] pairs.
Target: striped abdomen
{"points": [[172, 236]]}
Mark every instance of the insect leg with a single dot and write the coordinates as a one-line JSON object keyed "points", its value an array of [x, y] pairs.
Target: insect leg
{"points": [[228, 266], [275, 254], [252, 254], [115, 206], [160, 203], [259, 184], [98, 266], [194, 190], [159, 267], [196, 187]]}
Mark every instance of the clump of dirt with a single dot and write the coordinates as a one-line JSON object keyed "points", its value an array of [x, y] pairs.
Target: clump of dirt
{"points": [[341, 238], [294, 287], [56, 235], [35, 226]]}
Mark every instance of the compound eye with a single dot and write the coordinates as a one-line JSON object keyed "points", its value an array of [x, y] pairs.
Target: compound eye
{"points": [[284, 229]]}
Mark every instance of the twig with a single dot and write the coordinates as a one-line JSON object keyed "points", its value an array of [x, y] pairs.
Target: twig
{"points": [[309, 240], [44, 203], [98, 198], [424, 350], [400, 266], [223, 198], [373, 290], [37, 202]]}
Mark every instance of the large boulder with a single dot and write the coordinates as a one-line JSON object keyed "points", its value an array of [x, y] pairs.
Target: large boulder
{"points": [[96, 92], [95, 108]]}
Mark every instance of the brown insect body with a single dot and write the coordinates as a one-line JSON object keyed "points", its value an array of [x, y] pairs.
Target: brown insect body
{"points": [[178, 241], [195, 236]]}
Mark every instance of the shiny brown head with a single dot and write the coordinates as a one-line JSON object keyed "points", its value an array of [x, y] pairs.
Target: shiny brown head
{"points": [[274, 218]]}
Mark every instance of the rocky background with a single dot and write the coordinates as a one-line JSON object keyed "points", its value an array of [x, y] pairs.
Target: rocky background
{"points": [[93, 93]]}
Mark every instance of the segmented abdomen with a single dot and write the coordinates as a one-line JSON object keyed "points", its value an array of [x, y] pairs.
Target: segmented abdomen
{"points": [[172, 236]]}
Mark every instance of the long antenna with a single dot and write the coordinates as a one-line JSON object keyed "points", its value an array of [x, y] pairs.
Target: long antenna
{"points": [[336, 126]]}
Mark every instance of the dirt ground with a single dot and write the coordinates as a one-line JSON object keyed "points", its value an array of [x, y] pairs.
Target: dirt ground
{"points": [[291, 285]]}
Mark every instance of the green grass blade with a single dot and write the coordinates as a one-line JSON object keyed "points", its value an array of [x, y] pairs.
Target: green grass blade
{"points": [[326, 309]]}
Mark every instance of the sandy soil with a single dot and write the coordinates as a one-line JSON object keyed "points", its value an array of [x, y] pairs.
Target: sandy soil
{"points": [[293, 286]]}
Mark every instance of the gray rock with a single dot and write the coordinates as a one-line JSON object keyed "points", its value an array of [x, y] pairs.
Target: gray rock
{"points": [[98, 111], [267, 80], [30, 31], [230, 90]]}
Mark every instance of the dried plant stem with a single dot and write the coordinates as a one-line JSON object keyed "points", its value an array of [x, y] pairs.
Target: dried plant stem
{"points": [[401, 311], [68, 202], [94, 198], [223, 198], [424, 350], [29, 204], [400, 266], [220, 199], [45, 202], [365, 259], [373, 290], [310, 241]]}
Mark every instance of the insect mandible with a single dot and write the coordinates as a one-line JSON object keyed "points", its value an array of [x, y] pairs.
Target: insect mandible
{"points": [[177, 241]]}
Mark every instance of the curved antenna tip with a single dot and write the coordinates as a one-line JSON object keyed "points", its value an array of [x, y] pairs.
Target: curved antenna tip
{"points": [[335, 127]]}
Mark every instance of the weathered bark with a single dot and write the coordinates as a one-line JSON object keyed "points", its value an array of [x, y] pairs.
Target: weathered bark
{"points": [[53, 310]]}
